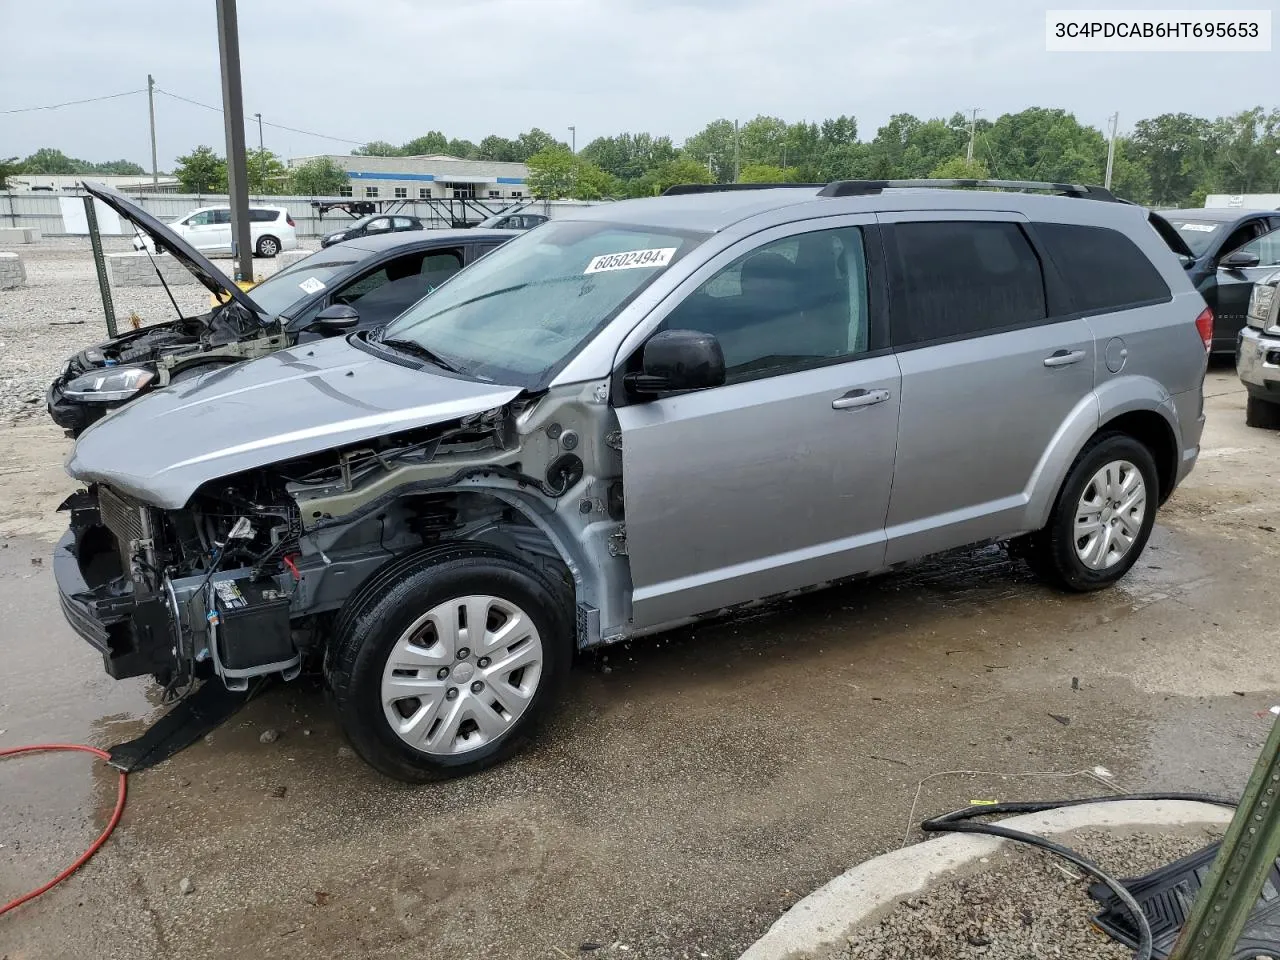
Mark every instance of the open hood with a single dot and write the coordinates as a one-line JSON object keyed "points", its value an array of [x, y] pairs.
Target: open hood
{"points": [[1170, 235], [162, 446], [214, 279]]}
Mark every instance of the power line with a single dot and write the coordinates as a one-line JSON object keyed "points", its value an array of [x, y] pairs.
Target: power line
{"points": [[265, 123], [72, 103]]}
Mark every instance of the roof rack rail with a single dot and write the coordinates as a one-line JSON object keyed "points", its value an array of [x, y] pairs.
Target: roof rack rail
{"points": [[684, 189], [854, 188]]}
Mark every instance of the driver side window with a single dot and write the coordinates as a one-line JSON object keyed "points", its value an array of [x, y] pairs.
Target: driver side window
{"points": [[202, 219], [789, 305], [1241, 236], [1266, 248]]}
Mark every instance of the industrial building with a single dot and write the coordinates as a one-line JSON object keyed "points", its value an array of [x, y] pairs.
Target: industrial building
{"points": [[434, 177], [70, 183]]}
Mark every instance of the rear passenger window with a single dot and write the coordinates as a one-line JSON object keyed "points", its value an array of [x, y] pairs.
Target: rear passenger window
{"points": [[262, 216], [1103, 269], [962, 279]]}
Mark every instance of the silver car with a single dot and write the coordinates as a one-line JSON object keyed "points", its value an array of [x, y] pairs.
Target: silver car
{"points": [[656, 411]]}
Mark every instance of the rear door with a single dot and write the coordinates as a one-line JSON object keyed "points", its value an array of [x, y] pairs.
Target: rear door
{"points": [[778, 479], [220, 230], [988, 376]]}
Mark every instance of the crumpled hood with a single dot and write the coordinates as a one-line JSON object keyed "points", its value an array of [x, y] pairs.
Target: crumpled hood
{"points": [[161, 447]]}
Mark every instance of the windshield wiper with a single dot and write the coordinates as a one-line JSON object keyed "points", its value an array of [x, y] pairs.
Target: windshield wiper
{"points": [[417, 349]]}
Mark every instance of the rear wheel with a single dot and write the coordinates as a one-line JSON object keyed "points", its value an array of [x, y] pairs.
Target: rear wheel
{"points": [[268, 246], [1102, 518], [1261, 413], [447, 662]]}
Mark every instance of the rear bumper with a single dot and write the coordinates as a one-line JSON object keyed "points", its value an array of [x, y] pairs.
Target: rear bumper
{"points": [[1258, 364]]}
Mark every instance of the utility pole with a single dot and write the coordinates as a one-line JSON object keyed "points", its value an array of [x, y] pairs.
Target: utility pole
{"points": [[1111, 148], [233, 115], [573, 132], [973, 132], [735, 152], [151, 108], [258, 117], [711, 159]]}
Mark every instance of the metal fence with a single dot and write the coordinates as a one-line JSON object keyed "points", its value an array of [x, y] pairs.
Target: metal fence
{"points": [[42, 211]]}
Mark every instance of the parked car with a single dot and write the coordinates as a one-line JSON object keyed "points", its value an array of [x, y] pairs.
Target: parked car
{"points": [[631, 418], [1258, 354], [208, 229], [1227, 251], [372, 226], [512, 221], [360, 284]]}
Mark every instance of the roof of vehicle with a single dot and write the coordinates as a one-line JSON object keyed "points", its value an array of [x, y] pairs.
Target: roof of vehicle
{"points": [[378, 242], [1222, 214], [716, 210]]}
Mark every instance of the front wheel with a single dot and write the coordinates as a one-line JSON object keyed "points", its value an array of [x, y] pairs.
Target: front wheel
{"points": [[444, 664], [268, 247], [1102, 518], [1261, 413]]}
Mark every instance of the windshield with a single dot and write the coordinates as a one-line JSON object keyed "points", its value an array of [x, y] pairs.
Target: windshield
{"points": [[521, 312], [296, 283], [1198, 234]]}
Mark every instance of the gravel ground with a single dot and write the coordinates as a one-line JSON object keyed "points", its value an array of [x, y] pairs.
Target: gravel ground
{"points": [[1025, 906], [59, 311]]}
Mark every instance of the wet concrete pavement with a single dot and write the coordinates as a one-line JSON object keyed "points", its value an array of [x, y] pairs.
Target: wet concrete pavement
{"points": [[692, 786]]}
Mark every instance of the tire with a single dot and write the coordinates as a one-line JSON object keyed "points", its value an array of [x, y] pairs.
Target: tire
{"points": [[268, 246], [1055, 553], [409, 613], [1261, 413]]}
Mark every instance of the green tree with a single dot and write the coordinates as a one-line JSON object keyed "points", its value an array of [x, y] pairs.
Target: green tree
{"points": [[1245, 158], [266, 173], [115, 168], [592, 183], [761, 140], [551, 173], [838, 132], [499, 149], [50, 161], [536, 141], [713, 145], [847, 161], [432, 142], [1174, 150], [202, 171], [8, 167], [462, 148], [960, 168], [629, 156], [682, 169], [1042, 144], [764, 173], [318, 177], [376, 148]]}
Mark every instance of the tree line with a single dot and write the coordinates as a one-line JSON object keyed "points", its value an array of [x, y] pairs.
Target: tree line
{"points": [[1172, 160]]}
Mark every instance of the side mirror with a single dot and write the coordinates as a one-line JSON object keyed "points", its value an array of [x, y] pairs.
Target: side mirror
{"points": [[334, 319], [1239, 261], [678, 360]]}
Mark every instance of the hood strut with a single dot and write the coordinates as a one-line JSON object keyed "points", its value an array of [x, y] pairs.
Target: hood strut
{"points": [[159, 276]]}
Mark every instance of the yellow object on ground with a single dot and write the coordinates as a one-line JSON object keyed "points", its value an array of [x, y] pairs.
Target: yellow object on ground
{"points": [[215, 299]]}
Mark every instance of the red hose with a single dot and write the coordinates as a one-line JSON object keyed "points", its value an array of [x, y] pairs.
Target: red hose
{"points": [[102, 837]]}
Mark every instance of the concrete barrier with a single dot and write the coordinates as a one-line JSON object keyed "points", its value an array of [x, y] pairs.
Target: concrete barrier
{"points": [[136, 270], [288, 258], [12, 235], [12, 272]]}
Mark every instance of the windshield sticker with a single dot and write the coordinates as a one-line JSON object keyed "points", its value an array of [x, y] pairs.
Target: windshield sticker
{"points": [[311, 285], [1200, 227], [631, 259]]}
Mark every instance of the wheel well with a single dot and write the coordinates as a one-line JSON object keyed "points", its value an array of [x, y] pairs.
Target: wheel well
{"points": [[1153, 432]]}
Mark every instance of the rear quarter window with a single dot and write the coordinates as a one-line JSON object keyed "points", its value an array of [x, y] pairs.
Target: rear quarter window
{"points": [[263, 216], [1103, 269]]}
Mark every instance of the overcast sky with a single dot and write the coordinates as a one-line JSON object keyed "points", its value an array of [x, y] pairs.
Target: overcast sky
{"points": [[394, 69]]}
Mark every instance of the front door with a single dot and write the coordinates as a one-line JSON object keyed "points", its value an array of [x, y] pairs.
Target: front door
{"points": [[780, 478], [988, 377], [1234, 286]]}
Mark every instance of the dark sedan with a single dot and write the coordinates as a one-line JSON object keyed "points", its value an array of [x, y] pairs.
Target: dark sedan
{"points": [[1228, 250], [374, 225]]}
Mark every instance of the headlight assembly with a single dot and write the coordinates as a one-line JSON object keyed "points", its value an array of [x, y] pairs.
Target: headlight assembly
{"points": [[1262, 303], [109, 384]]}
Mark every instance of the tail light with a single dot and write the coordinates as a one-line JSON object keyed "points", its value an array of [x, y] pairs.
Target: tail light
{"points": [[288, 218], [1204, 327]]}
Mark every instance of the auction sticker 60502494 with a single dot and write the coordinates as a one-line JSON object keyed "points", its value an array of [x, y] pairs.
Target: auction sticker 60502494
{"points": [[630, 259]]}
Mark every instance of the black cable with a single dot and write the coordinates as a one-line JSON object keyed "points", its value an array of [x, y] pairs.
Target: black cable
{"points": [[72, 103], [959, 821]]}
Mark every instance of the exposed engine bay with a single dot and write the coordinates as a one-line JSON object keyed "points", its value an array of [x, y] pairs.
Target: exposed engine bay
{"points": [[248, 578]]}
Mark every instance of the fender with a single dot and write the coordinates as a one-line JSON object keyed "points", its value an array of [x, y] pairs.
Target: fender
{"points": [[1108, 401]]}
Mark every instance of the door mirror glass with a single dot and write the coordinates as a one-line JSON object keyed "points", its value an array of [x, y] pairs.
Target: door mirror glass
{"points": [[1240, 260], [334, 319], [679, 360]]}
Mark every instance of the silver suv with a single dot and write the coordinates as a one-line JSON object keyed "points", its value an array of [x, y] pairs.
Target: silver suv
{"points": [[657, 411]]}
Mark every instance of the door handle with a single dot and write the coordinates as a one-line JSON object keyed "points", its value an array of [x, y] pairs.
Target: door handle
{"points": [[859, 398], [1060, 358]]}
